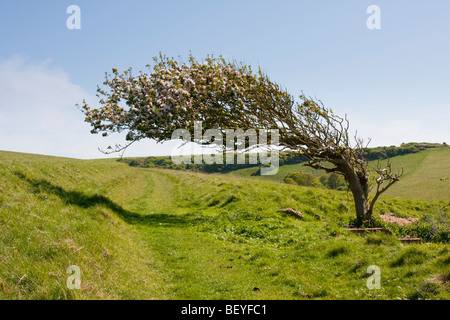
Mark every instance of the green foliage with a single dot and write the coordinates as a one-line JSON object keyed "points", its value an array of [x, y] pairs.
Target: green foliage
{"points": [[334, 181], [331, 181], [427, 231], [393, 151], [165, 162], [303, 179]]}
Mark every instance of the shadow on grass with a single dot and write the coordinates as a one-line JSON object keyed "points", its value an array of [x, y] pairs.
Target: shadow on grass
{"points": [[84, 200]]}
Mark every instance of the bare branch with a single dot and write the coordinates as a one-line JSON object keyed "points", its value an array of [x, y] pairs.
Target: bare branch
{"points": [[384, 175], [117, 148]]}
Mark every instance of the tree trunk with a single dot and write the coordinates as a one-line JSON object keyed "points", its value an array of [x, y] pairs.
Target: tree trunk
{"points": [[360, 200], [359, 190]]}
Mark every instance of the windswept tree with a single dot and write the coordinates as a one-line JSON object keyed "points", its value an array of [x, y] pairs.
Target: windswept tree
{"points": [[228, 95]]}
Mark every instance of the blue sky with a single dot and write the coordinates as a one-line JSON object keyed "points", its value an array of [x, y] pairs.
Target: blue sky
{"points": [[393, 83]]}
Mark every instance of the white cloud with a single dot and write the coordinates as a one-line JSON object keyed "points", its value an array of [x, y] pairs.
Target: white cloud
{"points": [[413, 127], [38, 114]]}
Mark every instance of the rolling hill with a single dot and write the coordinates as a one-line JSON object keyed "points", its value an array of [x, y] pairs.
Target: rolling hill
{"points": [[138, 233], [423, 174]]}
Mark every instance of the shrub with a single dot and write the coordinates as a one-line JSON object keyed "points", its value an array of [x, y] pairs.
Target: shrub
{"points": [[334, 181], [303, 179], [428, 232]]}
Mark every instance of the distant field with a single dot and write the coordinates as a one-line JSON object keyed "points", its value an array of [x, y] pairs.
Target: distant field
{"points": [[423, 173], [164, 234], [421, 180]]}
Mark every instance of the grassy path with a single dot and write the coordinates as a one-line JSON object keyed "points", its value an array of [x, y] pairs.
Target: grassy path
{"points": [[195, 264]]}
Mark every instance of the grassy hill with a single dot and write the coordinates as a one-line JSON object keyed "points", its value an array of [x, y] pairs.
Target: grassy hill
{"points": [[423, 175], [421, 180], [139, 233]]}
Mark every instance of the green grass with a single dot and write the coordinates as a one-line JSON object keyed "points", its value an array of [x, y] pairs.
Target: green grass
{"points": [[60, 212], [423, 173], [162, 234]]}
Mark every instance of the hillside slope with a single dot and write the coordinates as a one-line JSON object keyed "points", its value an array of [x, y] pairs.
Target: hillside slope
{"points": [[57, 212], [163, 234], [423, 175], [421, 180]]}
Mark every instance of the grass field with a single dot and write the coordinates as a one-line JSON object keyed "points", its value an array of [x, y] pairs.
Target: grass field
{"points": [[162, 234], [423, 173]]}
